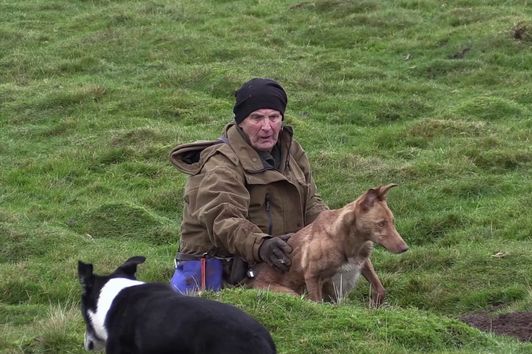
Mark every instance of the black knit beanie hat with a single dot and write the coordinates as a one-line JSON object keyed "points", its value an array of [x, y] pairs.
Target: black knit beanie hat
{"points": [[256, 94]]}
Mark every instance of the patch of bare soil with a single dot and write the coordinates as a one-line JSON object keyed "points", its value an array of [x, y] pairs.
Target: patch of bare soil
{"points": [[515, 324], [521, 32]]}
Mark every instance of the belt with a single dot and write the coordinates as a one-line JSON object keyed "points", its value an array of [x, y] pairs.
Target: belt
{"points": [[192, 257], [188, 257]]}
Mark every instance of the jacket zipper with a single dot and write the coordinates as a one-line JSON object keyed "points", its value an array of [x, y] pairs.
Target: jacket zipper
{"points": [[268, 207]]}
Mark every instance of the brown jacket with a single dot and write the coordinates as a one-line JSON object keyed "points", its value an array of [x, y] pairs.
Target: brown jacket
{"points": [[232, 202]]}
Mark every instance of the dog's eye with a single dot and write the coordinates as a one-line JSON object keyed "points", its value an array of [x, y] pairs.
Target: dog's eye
{"points": [[381, 223]]}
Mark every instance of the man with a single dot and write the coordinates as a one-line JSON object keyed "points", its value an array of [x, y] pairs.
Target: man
{"points": [[247, 192]]}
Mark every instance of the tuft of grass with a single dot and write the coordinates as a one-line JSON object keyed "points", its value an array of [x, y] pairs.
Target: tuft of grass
{"points": [[124, 221], [58, 331], [353, 329], [491, 108]]}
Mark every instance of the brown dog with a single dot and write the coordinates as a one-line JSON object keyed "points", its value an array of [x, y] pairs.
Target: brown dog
{"points": [[337, 245]]}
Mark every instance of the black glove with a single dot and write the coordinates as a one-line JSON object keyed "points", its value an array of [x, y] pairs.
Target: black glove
{"points": [[275, 252]]}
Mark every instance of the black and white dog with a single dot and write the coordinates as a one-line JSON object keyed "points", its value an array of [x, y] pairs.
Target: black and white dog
{"points": [[124, 315]]}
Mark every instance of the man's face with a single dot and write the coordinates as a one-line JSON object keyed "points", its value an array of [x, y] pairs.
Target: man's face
{"points": [[262, 128]]}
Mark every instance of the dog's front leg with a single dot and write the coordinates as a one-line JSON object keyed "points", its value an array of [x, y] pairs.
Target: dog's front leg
{"points": [[378, 292], [314, 288]]}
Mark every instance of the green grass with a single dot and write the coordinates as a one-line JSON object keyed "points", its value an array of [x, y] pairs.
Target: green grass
{"points": [[435, 96]]}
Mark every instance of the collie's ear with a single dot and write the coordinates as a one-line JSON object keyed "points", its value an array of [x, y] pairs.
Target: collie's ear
{"points": [[85, 275], [130, 266]]}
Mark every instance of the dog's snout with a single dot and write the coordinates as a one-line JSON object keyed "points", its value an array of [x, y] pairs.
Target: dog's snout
{"points": [[403, 249], [400, 247]]}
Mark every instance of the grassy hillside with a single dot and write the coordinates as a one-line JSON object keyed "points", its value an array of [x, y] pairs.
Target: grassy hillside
{"points": [[435, 96]]}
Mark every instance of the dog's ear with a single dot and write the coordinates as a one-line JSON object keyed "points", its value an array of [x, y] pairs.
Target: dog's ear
{"points": [[130, 266], [85, 275], [375, 194], [369, 198], [383, 190]]}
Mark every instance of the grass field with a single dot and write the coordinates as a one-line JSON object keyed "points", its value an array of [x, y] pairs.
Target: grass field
{"points": [[433, 95]]}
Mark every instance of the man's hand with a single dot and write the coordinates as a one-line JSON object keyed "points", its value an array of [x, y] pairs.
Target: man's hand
{"points": [[276, 252]]}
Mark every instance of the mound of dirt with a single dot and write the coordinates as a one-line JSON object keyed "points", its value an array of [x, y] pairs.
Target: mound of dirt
{"points": [[515, 324]]}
